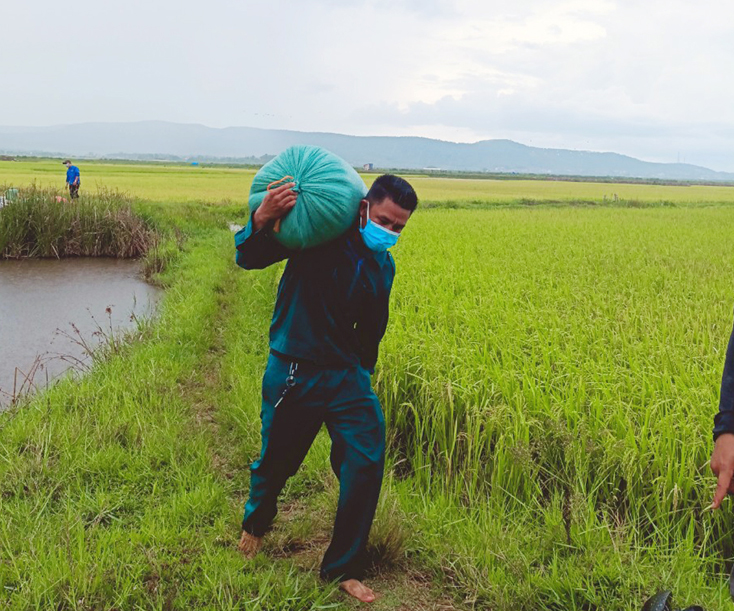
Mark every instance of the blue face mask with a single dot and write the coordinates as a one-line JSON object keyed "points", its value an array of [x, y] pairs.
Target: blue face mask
{"points": [[376, 237]]}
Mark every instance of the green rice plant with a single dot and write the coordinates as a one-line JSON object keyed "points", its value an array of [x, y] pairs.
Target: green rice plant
{"points": [[41, 223], [555, 372]]}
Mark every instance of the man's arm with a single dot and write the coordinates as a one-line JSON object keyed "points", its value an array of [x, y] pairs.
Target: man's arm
{"points": [[372, 325], [722, 460], [256, 248]]}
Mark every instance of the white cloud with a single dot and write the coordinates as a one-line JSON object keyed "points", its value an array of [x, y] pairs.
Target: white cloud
{"points": [[649, 79]]}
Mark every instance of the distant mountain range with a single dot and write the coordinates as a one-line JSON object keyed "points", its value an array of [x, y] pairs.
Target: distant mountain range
{"points": [[185, 141]]}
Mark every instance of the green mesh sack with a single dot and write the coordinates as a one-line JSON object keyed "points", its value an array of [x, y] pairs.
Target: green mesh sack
{"points": [[329, 191]]}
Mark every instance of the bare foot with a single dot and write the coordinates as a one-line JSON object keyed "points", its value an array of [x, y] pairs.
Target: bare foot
{"points": [[250, 545], [357, 589]]}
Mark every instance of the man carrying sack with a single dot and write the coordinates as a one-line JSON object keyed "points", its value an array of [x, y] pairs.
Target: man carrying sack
{"points": [[330, 315]]}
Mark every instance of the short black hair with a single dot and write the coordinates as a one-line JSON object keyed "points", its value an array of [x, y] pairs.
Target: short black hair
{"points": [[396, 188]]}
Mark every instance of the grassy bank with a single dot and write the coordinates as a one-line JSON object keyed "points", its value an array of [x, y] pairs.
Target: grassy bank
{"points": [[111, 491], [125, 489], [41, 223]]}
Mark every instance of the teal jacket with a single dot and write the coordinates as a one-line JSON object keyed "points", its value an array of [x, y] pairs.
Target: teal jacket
{"points": [[333, 300]]}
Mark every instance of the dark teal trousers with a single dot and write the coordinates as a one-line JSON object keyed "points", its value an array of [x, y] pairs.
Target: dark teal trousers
{"points": [[297, 398]]}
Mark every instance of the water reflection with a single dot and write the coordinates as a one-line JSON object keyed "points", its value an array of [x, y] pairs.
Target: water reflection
{"points": [[42, 302]]}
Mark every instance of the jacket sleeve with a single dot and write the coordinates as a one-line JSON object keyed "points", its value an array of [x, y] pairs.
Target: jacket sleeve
{"points": [[258, 249], [724, 420], [373, 322]]}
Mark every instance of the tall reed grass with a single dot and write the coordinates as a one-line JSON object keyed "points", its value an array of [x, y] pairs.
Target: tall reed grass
{"points": [[40, 223]]}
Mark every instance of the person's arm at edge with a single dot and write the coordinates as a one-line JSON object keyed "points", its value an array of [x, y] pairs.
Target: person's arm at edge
{"points": [[722, 459]]}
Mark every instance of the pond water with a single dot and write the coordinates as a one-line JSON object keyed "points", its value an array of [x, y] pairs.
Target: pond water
{"points": [[50, 308]]}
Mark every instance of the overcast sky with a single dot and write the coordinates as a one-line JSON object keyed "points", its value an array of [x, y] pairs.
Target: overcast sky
{"points": [[647, 78]]}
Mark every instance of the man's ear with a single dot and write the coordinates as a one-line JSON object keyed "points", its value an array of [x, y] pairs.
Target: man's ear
{"points": [[363, 211]]}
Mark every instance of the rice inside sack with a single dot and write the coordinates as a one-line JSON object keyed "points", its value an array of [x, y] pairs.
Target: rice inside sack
{"points": [[329, 191]]}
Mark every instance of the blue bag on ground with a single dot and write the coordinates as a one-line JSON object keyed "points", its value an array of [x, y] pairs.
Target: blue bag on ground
{"points": [[329, 191]]}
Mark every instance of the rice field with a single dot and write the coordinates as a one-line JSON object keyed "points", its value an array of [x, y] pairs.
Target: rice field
{"points": [[554, 373], [160, 183], [549, 379]]}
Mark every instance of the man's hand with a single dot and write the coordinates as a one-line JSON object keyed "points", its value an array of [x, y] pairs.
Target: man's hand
{"points": [[277, 204], [722, 464]]}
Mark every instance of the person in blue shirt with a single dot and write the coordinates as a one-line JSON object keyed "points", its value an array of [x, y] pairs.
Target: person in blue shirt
{"points": [[330, 314], [722, 459], [73, 179]]}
